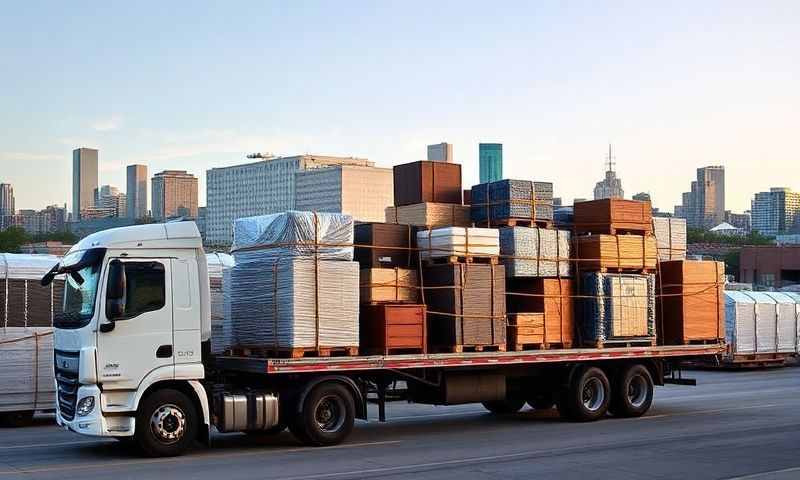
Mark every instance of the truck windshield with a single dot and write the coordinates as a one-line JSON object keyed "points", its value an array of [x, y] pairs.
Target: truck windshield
{"points": [[80, 296]]}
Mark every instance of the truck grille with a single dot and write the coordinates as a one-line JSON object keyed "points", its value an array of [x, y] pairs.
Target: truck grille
{"points": [[66, 383]]}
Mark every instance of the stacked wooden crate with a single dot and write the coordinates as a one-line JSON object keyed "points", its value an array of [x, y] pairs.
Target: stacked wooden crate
{"points": [[540, 313], [428, 193], [690, 307]]}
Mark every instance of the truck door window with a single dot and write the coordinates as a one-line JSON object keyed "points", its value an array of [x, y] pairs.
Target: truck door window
{"points": [[145, 288]]}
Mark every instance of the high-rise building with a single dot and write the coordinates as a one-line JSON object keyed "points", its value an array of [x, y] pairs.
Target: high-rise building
{"points": [[739, 220], [108, 197], [7, 200], [610, 186], [704, 204], [362, 192], [490, 160], [441, 152], [776, 212], [84, 179], [50, 220], [258, 188], [174, 194], [137, 191]]}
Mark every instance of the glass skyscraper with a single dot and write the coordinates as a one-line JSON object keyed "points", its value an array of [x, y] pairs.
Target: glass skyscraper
{"points": [[491, 162]]}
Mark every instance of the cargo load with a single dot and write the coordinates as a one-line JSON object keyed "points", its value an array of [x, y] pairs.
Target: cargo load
{"points": [[540, 311], [670, 233], [535, 252], [617, 308], [690, 302], [393, 329], [624, 252], [430, 215], [389, 285], [383, 245], [458, 242], [219, 265], [503, 200], [761, 322], [427, 181], [612, 216]]}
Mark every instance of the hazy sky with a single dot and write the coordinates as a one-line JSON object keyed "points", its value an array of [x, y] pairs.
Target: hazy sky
{"points": [[193, 85]]}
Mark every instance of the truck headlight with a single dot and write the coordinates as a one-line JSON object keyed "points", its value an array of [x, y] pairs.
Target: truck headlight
{"points": [[85, 406]]}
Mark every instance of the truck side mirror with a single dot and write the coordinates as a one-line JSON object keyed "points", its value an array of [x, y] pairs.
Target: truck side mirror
{"points": [[115, 293]]}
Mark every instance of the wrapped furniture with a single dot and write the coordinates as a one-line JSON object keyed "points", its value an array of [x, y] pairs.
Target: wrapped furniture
{"points": [[535, 252], [503, 200], [617, 309]]}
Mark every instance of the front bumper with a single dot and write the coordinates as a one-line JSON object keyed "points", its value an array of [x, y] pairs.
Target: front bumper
{"points": [[96, 424]]}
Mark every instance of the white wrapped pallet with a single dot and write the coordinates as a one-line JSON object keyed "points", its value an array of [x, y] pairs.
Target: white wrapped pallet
{"points": [[761, 322], [535, 252], [740, 322], [796, 297], [218, 265], [670, 235], [786, 332], [458, 241]]}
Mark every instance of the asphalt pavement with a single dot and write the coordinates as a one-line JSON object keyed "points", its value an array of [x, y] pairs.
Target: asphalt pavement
{"points": [[733, 425]]}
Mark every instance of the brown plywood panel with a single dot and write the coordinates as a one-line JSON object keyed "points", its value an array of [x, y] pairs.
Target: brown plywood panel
{"points": [[382, 244], [690, 301], [427, 181], [611, 215]]}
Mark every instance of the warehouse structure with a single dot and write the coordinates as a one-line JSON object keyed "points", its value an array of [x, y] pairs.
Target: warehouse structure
{"points": [[771, 266]]}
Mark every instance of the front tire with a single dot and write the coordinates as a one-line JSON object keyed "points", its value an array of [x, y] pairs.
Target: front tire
{"points": [[327, 416], [632, 393], [166, 424], [587, 397]]}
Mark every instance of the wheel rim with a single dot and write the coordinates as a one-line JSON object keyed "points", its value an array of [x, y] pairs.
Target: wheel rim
{"points": [[168, 424], [637, 391], [593, 394], [330, 414]]}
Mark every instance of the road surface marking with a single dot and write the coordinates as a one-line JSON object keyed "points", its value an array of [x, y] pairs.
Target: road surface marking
{"points": [[762, 474]]}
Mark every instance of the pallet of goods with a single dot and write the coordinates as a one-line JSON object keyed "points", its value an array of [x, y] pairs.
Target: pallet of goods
{"points": [[670, 236], [399, 285], [427, 181], [616, 253], [761, 323], [540, 313], [383, 245], [513, 203], [617, 309], [294, 290], [466, 307], [429, 215], [535, 252], [613, 216], [392, 329], [458, 244], [690, 306], [219, 264]]}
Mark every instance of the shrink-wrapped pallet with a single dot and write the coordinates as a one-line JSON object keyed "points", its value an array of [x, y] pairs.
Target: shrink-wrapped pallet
{"points": [[535, 252], [511, 199], [761, 322], [670, 233], [617, 307], [458, 241], [429, 215], [218, 266], [329, 236], [389, 285]]}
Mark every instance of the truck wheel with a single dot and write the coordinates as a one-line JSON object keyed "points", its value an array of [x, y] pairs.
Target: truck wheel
{"points": [[166, 424], [16, 419], [504, 407], [633, 392], [327, 416], [587, 397], [542, 401]]}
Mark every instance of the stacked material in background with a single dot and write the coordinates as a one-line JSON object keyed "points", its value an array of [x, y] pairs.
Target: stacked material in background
{"points": [[634, 252], [393, 329], [512, 199], [466, 305], [26, 335], [389, 285], [429, 215], [540, 311], [617, 308], [535, 252], [670, 236], [690, 303], [458, 241], [612, 216], [564, 217], [382, 245], [427, 181], [218, 266], [761, 322]]}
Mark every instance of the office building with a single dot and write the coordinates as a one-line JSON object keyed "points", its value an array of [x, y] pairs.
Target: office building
{"points": [[7, 200], [84, 179], [441, 152], [703, 206], [174, 195], [258, 188], [38, 222], [137, 191], [108, 197], [610, 186], [362, 192], [490, 158], [776, 212], [739, 220]]}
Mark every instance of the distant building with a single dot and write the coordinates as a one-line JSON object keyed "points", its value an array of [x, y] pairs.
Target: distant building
{"points": [[704, 205], [739, 220], [201, 221], [362, 192], [87, 227], [642, 197], [110, 197], [770, 266], [137, 191], [85, 168], [610, 186], [49, 247], [37, 222], [174, 195], [7, 200], [441, 152], [93, 213], [776, 212], [490, 158], [257, 188]]}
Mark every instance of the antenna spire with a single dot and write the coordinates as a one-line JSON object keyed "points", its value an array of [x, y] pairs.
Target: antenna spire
{"points": [[610, 159]]}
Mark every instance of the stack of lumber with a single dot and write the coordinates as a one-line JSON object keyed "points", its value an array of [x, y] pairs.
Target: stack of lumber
{"points": [[427, 181], [690, 305], [535, 252], [617, 309], [761, 322], [466, 306], [429, 215], [613, 216], [616, 252], [383, 245], [458, 242], [393, 329], [399, 285], [670, 235], [540, 313], [495, 203]]}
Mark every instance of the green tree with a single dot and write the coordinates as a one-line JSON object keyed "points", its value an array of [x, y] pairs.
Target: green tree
{"points": [[11, 239]]}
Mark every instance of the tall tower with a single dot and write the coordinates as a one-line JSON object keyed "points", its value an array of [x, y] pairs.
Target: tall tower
{"points": [[490, 157], [84, 179], [137, 191], [610, 186], [174, 194], [7, 200]]}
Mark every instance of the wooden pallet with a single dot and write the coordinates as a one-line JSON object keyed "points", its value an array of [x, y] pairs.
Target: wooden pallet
{"points": [[392, 351], [261, 352], [461, 259], [467, 348], [515, 222], [624, 343], [520, 347]]}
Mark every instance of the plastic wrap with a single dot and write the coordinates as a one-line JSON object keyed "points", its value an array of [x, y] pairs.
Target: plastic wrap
{"points": [[294, 234], [762, 322], [543, 253], [458, 241], [621, 307], [740, 322], [218, 265], [670, 238], [504, 199]]}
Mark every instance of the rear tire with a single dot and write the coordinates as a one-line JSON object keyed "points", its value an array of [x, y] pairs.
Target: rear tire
{"points": [[504, 407], [17, 419], [166, 424], [587, 397], [327, 416], [632, 393]]}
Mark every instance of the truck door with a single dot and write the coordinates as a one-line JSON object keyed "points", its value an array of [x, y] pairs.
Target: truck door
{"points": [[142, 339]]}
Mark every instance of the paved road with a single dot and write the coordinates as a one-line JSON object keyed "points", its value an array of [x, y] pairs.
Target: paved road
{"points": [[733, 425]]}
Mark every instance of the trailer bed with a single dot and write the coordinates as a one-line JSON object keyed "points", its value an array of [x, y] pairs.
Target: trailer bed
{"points": [[454, 360]]}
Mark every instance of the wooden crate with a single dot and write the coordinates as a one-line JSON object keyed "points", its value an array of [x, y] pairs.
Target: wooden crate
{"points": [[615, 253], [690, 307], [382, 245], [393, 329], [549, 297], [430, 215], [389, 285], [427, 181], [613, 216]]}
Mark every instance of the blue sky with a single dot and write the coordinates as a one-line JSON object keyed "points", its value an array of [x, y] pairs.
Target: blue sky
{"points": [[193, 85]]}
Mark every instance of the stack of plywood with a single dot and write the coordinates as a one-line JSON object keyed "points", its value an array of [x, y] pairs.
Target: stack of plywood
{"points": [[399, 285], [612, 216], [429, 215], [623, 252], [690, 305], [670, 236], [540, 313]]}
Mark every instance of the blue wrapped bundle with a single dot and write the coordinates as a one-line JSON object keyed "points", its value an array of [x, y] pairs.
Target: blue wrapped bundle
{"points": [[512, 199], [617, 307]]}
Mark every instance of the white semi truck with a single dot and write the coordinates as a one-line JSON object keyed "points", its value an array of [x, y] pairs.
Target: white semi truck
{"points": [[133, 361]]}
